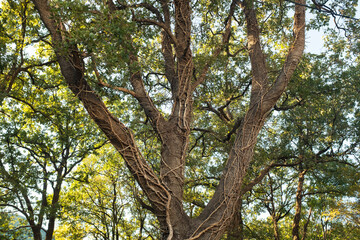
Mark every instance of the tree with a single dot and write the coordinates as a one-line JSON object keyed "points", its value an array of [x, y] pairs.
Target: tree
{"points": [[185, 57], [39, 148], [99, 203], [9, 227]]}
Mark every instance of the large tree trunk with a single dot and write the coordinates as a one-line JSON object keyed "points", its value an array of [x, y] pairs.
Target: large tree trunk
{"points": [[236, 231], [220, 211], [175, 137]]}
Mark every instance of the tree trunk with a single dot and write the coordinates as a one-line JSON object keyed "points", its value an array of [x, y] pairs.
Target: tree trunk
{"points": [[36, 232], [236, 231], [52, 215], [306, 226], [276, 228], [298, 202]]}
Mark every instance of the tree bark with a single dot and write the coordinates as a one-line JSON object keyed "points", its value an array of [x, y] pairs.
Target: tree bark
{"points": [[236, 231], [276, 229], [36, 232], [298, 202]]}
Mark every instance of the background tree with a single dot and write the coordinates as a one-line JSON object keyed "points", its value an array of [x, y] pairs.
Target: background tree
{"points": [[40, 146], [9, 226], [100, 203]]}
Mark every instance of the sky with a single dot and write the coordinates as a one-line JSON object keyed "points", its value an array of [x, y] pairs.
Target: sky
{"points": [[315, 39]]}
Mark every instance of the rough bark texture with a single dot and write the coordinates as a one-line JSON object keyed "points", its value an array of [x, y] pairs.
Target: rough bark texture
{"points": [[219, 212], [237, 226], [166, 193]]}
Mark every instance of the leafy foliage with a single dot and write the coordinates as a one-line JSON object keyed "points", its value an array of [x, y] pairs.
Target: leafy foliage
{"points": [[130, 55]]}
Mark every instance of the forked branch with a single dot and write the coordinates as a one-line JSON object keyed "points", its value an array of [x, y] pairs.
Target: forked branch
{"points": [[72, 68]]}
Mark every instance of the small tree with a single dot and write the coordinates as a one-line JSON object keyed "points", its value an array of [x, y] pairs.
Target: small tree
{"points": [[39, 148]]}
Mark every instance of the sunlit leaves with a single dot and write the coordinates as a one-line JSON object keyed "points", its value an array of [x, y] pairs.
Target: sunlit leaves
{"points": [[44, 135], [99, 202]]}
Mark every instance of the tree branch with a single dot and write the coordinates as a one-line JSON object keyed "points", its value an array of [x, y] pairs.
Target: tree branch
{"points": [[322, 8], [217, 51], [292, 59], [102, 83], [121, 138], [248, 187], [159, 24], [284, 107], [167, 48]]}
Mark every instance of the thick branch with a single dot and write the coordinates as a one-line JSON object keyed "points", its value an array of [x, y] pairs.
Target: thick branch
{"points": [[156, 118], [139, 92], [120, 136], [292, 59], [220, 211], [174, 133], [159, 24], [167, 49], [260, 82]]}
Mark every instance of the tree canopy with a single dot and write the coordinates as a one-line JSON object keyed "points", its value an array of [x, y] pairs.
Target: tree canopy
{"points": [[215, 108]]}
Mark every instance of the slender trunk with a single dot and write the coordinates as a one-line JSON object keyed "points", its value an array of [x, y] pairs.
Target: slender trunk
{"points": [[273, 212], [276, 228], [306, 225], [55, 201], [51, 228], [298, 202], [324, 228]]}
